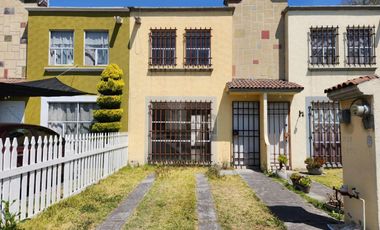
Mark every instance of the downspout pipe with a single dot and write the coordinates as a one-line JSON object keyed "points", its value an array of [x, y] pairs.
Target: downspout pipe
{"points": [[265, 128]]}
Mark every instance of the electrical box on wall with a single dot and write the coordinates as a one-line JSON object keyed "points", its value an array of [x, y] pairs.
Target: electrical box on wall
{"points": [[345, 116]]}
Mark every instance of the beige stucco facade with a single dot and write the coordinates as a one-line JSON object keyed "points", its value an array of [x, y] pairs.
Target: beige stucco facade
{"points": [[180, 84], [258, 39], [360, 149], [315, 79]]}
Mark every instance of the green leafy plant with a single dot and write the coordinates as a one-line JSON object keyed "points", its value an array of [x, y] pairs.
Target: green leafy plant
{"points": [[305, 181], [213, 171], [295, 177], [109, 114], [9, 220], [314, 163], [282, 160]]}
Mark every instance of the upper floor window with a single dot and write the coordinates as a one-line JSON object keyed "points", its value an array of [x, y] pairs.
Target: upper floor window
{"points": [[61, 48], [361, 45], [162, 47], [96, 48], [198, 47], [324, 46]]}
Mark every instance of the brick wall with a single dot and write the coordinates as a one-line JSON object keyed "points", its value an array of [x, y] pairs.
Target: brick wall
{"points": [[258, 37]]}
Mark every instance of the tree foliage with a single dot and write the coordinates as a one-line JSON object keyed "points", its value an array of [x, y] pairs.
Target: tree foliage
{"points": [[361, 2], [110, 87]]}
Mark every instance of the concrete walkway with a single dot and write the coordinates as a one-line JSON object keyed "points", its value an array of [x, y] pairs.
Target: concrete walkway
{"points": [[207, 218], [120, 215], [319, 192], [289, 207]]}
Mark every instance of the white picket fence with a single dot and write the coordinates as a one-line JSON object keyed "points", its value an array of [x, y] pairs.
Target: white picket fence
{"points": [[54, 168]]}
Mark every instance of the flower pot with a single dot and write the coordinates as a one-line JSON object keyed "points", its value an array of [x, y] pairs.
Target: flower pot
{"points": [[315, 171], [302, 188]]}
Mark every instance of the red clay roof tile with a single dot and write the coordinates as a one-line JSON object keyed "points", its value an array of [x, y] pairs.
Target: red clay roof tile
{"points": [[263, 84], [352, 82]]}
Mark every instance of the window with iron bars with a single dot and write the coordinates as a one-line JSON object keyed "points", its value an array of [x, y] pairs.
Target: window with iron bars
{"points": [[198, 47], [324, 46], [162, 47], [360, 45], [180, 132]]}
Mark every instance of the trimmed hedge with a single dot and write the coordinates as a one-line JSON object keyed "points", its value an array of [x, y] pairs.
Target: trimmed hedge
{"points": [[110, 102], [112, 71], [108, 115], [106, 127], [111, 87]]}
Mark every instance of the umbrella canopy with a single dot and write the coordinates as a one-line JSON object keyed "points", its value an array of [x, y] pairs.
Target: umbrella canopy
{"points": [[51, 87]]}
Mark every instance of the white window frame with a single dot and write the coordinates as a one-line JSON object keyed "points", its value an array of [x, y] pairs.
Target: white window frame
{"points": [[72, 99], [50, 48], [96, 49]]}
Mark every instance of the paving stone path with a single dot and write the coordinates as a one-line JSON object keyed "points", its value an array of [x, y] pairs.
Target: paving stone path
{"points": [[120, 215], [207, 218], [289, 207]]}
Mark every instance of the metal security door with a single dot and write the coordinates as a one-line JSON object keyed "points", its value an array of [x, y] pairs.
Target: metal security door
{"points": [[246, 134], [325, 132], [278, 132]]}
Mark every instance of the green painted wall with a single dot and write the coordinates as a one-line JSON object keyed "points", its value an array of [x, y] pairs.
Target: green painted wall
{"points": [[39, 25]]}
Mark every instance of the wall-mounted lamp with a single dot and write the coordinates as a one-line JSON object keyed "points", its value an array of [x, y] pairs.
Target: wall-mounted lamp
{"points": [[118, 20], [363, 109], [137, 20], [301, 114], [360, 110]]}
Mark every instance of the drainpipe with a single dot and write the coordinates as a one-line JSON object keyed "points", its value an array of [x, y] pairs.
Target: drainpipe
{"points": [[265, 128]]}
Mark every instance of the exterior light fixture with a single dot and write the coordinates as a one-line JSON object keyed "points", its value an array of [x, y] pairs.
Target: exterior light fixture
{"points": [[363, 109], [119, 20]]}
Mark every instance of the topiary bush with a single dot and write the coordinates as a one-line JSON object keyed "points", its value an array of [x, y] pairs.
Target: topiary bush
{"points": [[109, 114]]}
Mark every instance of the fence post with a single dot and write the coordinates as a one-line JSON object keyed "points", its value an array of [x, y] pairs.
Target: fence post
{"points": [[14, 194], [66, 168], [59, 169], [24, 187]]}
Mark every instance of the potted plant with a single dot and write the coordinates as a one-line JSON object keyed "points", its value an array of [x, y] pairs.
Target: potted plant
{"points": [[282, 160], [302, 183], [315, 165]]}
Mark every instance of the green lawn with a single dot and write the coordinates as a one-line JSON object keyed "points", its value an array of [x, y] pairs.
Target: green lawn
{"points": [[171, 202], [91, 207], [330, 178], [239, 208]]}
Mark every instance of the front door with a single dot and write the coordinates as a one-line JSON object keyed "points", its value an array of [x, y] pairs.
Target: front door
{"points": [[278, 131], [246, 134]]}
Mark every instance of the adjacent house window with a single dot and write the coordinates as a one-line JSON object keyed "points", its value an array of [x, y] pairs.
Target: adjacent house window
{"points": [[324, 46], [96, 48], [162, 47], [61, 48], [70, 117], [198, 47], [361, 45]]}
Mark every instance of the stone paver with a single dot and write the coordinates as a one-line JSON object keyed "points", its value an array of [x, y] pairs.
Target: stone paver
{"points": [[207, 218], [289, 207], [119, 216]]}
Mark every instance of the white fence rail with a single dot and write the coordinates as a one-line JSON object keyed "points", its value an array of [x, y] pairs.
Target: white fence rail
{"points": [[41, 171]]}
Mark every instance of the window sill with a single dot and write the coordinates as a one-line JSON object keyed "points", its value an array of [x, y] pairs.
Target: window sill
{"points": [[341, 68], [65, 69], [175, 69]]}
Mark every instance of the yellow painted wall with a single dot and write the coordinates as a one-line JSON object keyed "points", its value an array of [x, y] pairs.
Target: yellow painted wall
{"points": [[315, 80], [180, 85], [38, 51]]}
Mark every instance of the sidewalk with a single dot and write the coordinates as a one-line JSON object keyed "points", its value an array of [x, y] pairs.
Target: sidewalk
{"points": [[289, 207]]}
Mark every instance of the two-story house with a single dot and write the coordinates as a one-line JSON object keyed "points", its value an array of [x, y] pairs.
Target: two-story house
{"points": [[13, 45], [326, 46], [75, 45]]}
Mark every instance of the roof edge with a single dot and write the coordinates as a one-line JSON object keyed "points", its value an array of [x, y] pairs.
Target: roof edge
{"points": [[170, 9], [331, 8], [78, 9]]}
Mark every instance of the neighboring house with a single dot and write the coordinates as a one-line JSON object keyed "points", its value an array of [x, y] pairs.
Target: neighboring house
{"points": [[326, 46], [75, 45], [13, 43]]}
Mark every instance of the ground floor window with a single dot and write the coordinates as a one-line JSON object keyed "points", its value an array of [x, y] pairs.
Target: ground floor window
{"points": [[70, 117], [180, 132]]}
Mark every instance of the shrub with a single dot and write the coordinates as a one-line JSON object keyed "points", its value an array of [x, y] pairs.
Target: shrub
{"points": [[317, 162], [283, 160], [106, 127], [110, 102], [295, 177], [8, 220], [111, 88], [304, 181], [108, 115], [213, 171]]}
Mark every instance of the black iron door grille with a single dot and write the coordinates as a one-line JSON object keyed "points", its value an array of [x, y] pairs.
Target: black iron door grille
{"points": [[180, 133], [324, 137], [246, 134]]}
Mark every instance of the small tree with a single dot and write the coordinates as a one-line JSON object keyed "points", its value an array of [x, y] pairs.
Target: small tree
{"points": [[110, 87]]}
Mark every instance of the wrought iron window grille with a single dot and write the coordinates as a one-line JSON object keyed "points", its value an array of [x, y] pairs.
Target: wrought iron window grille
{"points": [[324, 45], [162, 47], [197, 47], [360, 45]]}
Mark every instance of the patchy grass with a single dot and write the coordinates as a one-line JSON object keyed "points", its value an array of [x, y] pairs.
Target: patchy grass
{"points": [[171, 202], [310, 200], [330, 178], [239, 208], [91, 207]]}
